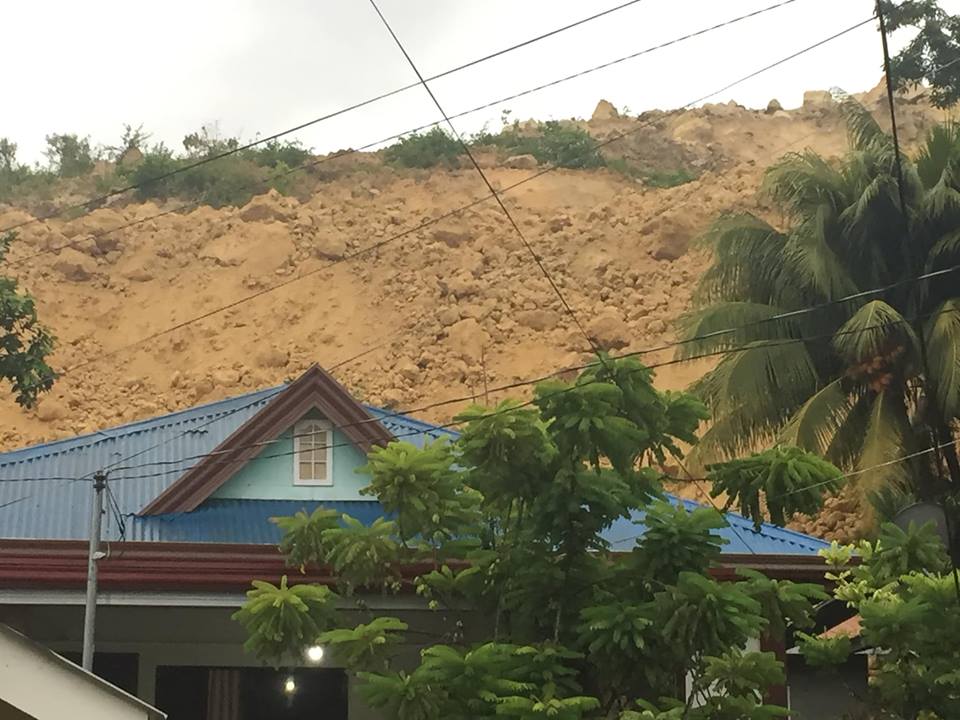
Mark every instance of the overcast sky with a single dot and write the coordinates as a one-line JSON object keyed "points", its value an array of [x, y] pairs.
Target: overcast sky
{"points": [[259, 66]]}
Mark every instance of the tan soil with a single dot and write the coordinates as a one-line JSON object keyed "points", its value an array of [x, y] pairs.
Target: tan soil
{"points": [[445, 310]]}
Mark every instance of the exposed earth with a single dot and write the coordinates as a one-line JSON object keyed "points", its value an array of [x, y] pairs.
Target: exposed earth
{"points": [[451, 310]]}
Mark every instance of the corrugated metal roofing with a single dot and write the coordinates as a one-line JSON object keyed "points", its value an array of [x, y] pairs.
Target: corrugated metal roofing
{"points": [[740, 535], [34, 506], [238, 521]]}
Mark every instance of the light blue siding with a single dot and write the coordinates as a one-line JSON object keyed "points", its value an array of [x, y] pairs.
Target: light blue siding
{"points": [[269, 476]]}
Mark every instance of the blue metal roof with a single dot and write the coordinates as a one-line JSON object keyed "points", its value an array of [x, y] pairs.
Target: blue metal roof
{"points": [[45, 489], [740, 535]]}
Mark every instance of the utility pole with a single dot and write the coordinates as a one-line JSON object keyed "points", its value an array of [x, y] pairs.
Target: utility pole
{"points": [[93, 555]]}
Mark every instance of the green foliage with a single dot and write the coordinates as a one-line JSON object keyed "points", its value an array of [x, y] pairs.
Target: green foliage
{"points": [[363, 556], [157, 162], [825, 651], [898, 552], [932, 55], [699, 612], [69, 155], [424, 150], [366, 645], [782, 603], [280, 154], [909, 613], [25, 344], [282, 621], [420, 488], [505, 530], [552, 142], [8, 157], [676, 540], [863, 399], [786, 480], [652, 177], [302, 541]]}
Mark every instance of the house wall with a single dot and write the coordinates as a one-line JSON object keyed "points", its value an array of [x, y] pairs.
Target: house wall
{"points": [[269, 476], [827, 695], [189, 636], [39, 685]]}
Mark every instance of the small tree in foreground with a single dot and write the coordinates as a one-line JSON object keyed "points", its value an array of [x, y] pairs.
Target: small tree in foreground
{"points": [[909, 613], [501, 533], [25, 344]]}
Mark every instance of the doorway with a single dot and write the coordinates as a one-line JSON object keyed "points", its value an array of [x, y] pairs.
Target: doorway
{"points": [[213, 693]]}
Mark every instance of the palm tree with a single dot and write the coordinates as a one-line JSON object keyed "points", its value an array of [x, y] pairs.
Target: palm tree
{"points": [[863, 381]]}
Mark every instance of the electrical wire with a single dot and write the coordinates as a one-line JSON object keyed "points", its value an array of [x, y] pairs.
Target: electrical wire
{"points": [[523, 383], [496, 412], [93, 202], [68, 480], [493, 192], [432, 221], [266, 184], [845, 476], [512, 408]]}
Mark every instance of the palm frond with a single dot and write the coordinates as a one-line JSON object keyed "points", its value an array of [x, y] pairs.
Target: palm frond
{"points": [[845, 447], [885, 442], [942, 198], [863, 131], [942, 146], [749, 321], [874, 200], [746, 264], [875, 331], [815, 261], [943, 355], [815, 425], [947, 249], [752, 393], [802, 182]]}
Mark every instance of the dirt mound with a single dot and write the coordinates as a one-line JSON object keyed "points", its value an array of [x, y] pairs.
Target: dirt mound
{"points": [[445, 311]]}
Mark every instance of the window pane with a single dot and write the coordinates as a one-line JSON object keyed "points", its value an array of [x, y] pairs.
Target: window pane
{"points": [[306, 470]]}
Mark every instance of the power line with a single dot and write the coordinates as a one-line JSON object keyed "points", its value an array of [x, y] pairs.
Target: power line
{"points": [[524, 383], [510, 386], [356, 106], [266, 184], [490, 188], [68, 480], [845, 476], [457, 211], [493, 413]]}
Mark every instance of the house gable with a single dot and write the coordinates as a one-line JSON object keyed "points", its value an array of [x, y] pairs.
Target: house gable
{"points": [[270, 474], [313, 392]]}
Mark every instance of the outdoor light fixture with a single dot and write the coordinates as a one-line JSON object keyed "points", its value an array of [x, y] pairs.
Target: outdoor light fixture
{"points": [[314, 653], [290, 686]]}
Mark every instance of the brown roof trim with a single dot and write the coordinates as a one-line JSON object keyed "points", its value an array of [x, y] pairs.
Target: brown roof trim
{"points": [[154, 566], [229, 567], [315, 389]]}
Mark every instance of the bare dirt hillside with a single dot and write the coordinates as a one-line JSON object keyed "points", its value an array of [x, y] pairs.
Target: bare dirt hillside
{"points": [[443, 312]]}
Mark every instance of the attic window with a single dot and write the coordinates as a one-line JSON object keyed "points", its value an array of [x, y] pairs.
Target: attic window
{"points": [[313, 453]]}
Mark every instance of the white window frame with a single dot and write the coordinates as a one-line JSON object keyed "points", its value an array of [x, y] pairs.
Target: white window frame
{"points": [[301, 429]]}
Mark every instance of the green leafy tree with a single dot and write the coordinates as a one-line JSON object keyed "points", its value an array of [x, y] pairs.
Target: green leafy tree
{"points": [[862, 382], [25, 344], [933, 55], [502, 531], [909, 613], [8, 157], [425, 150], [69, 155]]}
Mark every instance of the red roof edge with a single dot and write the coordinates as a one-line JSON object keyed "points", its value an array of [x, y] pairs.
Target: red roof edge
{"points": [[315, 389], [229, 568]]}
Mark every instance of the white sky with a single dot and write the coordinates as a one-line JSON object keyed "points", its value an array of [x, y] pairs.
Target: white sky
{"points": [[260, 66]]}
